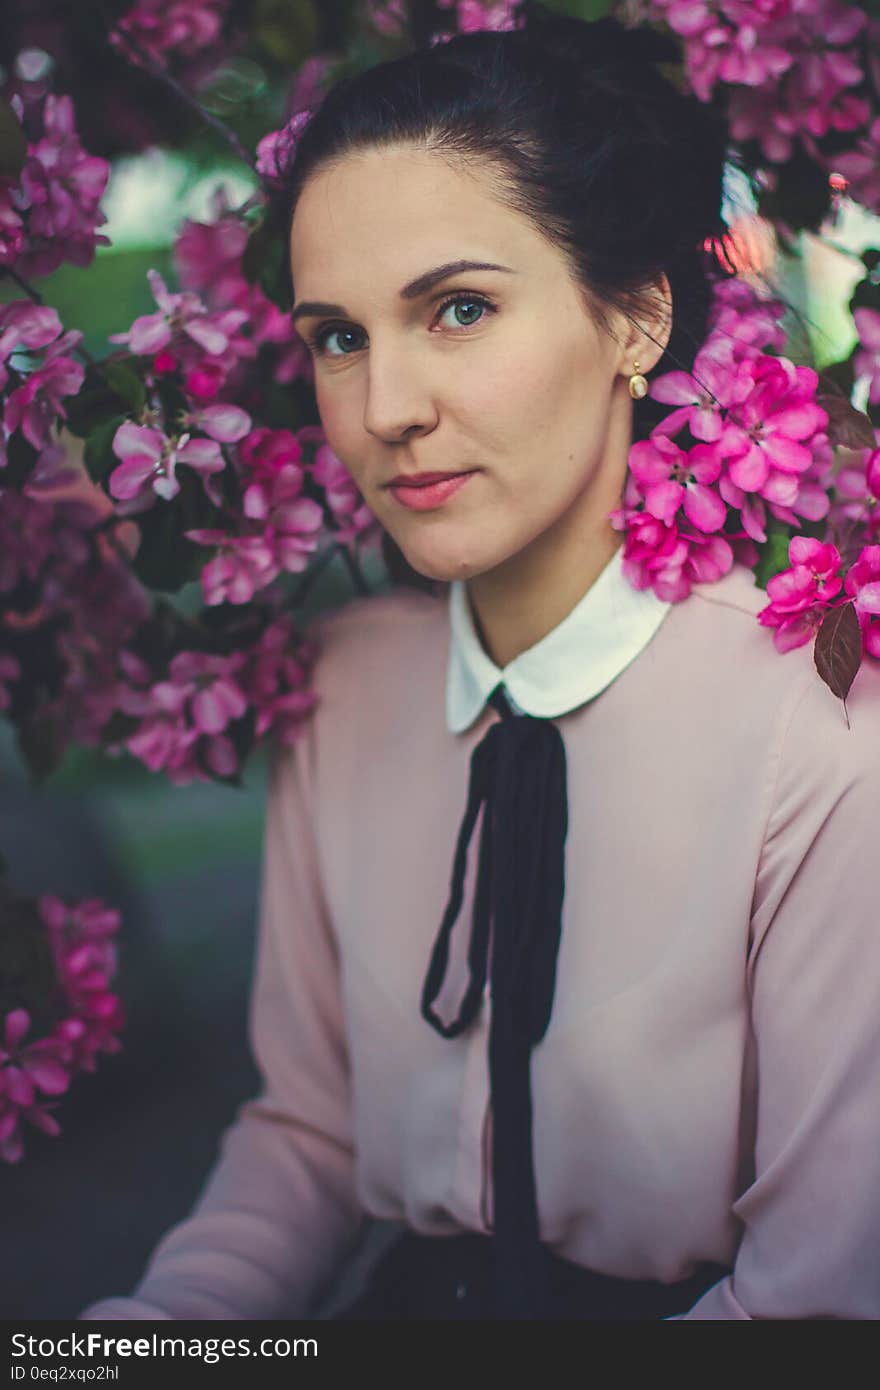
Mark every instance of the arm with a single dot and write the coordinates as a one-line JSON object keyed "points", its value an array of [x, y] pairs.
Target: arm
{"points": [[811, 1216], [279, 1210]]}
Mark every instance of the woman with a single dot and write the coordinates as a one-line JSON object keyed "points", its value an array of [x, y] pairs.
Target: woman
{"points": [[633, 1075]]}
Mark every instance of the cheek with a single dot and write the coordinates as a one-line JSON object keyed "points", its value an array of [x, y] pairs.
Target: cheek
{"points": [[551, 400]]}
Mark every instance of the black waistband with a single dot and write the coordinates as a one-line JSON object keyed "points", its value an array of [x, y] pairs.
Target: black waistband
{"points": [[453, 1278]]}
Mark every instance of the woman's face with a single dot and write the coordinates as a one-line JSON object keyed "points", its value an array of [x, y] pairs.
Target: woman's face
{"points": [[503, 373]]}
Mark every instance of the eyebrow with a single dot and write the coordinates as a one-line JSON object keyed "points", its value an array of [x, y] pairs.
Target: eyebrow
{"points": [[421, 285]]}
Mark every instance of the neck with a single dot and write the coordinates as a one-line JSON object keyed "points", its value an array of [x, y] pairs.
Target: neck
{"points": [[517, 603]]}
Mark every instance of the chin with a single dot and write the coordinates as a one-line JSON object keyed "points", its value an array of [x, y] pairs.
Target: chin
{"points": [[444, 567]]}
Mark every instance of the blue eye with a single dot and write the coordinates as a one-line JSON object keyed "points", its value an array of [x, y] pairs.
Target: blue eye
{"points": [[318, 342]]}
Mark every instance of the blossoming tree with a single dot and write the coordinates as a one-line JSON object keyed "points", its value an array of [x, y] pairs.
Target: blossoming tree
{"points": [[201, 456]]}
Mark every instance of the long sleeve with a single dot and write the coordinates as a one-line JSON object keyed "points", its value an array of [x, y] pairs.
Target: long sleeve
{"points": [[279, 1209], [810, 1246]]}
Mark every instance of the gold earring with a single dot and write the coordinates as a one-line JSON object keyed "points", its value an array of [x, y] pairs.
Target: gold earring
{"points": [[638, 385]]}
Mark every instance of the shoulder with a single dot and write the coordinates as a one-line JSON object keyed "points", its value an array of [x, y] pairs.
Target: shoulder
{"points": [[724, 657], [736, 592], [824, 747]]}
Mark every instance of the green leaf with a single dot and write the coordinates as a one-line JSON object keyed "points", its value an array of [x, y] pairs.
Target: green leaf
{"points": [[774, 557], [13, 143], [584, 9], [127, 385], [98, 454]]}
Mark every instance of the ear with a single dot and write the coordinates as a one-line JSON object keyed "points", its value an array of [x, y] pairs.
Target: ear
{"points": [[646, 330]]}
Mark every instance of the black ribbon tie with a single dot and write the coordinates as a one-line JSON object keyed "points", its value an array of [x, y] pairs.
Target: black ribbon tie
{"points": [[518, 773]]}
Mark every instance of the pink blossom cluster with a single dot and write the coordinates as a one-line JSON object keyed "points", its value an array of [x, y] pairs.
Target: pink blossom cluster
{"points": [[389, 17], [276, 150], [802, 594], [280, 527], [49, 213], [186, 337], [156, 29], [91, 1016], [472, 16], [187, 717], [59, 573], [33, 389], [150, 457], [792, 66], [208, 258], [756, 443]]}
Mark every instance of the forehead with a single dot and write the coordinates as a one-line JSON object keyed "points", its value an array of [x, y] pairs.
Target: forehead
{"points": [[379, 214]]}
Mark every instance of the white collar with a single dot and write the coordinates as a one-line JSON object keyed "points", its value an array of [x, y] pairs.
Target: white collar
{"points": [[576, 660]]}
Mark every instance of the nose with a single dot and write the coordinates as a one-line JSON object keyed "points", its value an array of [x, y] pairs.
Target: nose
{"points": [[398, 400]]}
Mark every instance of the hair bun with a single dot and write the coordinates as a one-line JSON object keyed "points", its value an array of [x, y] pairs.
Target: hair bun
{"points": [[595, 44]]}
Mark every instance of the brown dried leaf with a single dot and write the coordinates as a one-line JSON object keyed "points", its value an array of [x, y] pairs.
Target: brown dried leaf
{"points": [[838, 649], [847, 427]]}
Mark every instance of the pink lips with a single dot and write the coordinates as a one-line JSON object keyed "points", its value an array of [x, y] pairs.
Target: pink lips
{"points": [[428, 495]]}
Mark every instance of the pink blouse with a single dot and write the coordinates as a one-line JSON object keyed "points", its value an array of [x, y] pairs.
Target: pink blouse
{"points": [[709, 1084]]}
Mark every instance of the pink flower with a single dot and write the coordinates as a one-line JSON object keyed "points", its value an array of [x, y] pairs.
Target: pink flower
{"points": [[857, 492], [159, 28], [59, 195], [668, 479], [226, 423], [181, 314], [184, 717], [24, 324], [351, 515], [862, 583], [784, 85], [276, 150], [12, 234], [244, 565], [801, 595], [208, 255], [292, 522], [266, 451], [766, 433], [751, 325], [276, 679], [717, 381], [150, 458], [666, 557], [209, 259], [205, 683], [474, 16], [37, 403], [84, 958]]}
